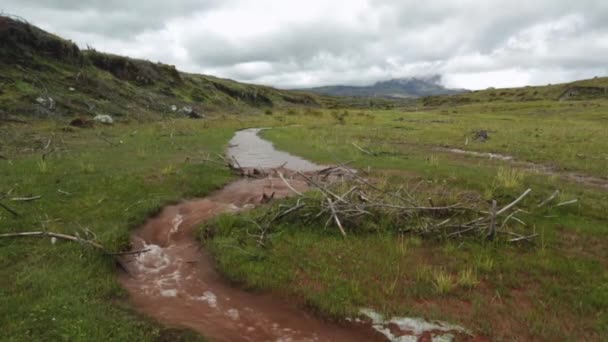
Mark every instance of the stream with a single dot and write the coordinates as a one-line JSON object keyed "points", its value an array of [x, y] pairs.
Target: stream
{"points": [[176, 283]]}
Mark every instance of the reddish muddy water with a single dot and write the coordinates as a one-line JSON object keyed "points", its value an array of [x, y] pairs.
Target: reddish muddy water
{"points": [[176, 283]]}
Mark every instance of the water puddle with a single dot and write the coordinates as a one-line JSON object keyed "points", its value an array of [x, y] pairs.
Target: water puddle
{"points": [[176, 283]]}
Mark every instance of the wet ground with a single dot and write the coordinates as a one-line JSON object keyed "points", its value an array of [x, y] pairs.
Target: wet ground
{"points": [[175, 281]]}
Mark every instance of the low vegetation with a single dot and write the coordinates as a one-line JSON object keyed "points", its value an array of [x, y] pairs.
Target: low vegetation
{"points": [[555, 281]]}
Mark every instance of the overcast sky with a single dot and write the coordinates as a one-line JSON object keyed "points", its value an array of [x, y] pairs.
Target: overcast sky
{"points": [[473, 43]]}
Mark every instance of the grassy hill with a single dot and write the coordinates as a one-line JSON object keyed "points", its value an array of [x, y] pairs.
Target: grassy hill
{"points": [[43, 75], [596, 88]]}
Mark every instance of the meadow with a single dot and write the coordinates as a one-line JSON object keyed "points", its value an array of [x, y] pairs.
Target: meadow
{"points": [[553, 288], [105, 181]]}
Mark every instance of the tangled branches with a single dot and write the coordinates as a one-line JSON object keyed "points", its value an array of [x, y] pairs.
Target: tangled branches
{"points": [[356, 204]]}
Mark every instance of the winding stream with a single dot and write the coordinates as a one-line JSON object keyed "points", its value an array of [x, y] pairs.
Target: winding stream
{"points": [[252, 151], [176, 282]]}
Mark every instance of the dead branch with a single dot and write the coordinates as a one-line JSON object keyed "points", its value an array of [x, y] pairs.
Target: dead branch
{"points": [[237, 162], [566, 203], [512, 204], [320, 187], [69, 238], [289, 185], [492, 230], [523, 238], [25, 199], [331, 168], [335, 216], [549, 199]]}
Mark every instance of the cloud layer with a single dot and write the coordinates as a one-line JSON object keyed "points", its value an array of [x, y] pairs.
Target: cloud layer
{"points": [[474, 44]]}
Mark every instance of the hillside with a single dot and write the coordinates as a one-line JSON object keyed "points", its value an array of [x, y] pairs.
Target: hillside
{"points": [[43, 75], [596, 88], [403, 88]]}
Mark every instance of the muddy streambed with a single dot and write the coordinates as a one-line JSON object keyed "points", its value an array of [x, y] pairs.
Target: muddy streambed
{"points": [[175, 282]]}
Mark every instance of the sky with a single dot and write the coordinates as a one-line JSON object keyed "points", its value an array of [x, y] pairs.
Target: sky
{"points": [[473, 44]]}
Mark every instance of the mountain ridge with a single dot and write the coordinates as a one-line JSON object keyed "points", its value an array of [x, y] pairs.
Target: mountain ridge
{"points": [[396, 88]]}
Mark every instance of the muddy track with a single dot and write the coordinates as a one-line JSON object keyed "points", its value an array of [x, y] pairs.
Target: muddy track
{"points": [[575, 177], [176, 282]]}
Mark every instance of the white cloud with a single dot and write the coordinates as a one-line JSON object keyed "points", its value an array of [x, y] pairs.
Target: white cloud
{"points": [[474, 44]]}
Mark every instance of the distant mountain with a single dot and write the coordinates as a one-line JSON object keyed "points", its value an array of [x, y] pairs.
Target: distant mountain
{"points": [[400, 88]]}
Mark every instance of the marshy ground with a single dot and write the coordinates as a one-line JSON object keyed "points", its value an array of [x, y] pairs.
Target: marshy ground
{"points": [[106, 181]]}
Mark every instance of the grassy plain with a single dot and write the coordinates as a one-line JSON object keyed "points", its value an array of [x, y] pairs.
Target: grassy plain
{"points": [[107, 180], [555, 288], [104, 181]]}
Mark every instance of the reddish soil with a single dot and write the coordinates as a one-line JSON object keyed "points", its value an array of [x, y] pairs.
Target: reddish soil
{"points": [[176, 282]]}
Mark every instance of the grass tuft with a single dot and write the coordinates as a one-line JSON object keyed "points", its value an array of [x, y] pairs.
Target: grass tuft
{"points": [[467, 278], [443, 282], [510, 177]]}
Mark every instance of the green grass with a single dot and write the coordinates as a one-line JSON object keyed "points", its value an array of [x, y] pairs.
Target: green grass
{"points": [[108, 186], [552, 289]]}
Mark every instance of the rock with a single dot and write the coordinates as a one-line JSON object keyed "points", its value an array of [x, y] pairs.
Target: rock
{"points": [[105, 119], [191, 113], [186, 110], [46, 102], [481, 135]]}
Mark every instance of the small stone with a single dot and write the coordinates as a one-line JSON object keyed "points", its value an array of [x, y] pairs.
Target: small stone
{"points": [[106, 119]]}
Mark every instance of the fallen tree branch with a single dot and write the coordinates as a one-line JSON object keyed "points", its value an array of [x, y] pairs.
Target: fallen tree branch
{"points": [[289, 185], [566, 203], [524, 238], [335, 216], [492, 230], [70, 238], [503, 210], [25, 199], [549, 199]]}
